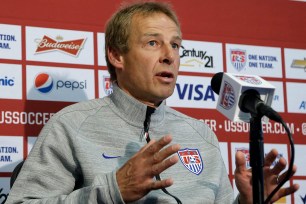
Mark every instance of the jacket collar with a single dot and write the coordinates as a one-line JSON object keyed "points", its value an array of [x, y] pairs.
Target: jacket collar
{"points": [[134, 111]]}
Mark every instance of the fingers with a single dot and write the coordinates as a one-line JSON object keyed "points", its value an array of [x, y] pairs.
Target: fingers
{"points": [[161, 184], [153, 150], [287, 191], [282, 177], [166, 152], [165, 164], [153, 147], [159, 159], [136, 177], [270, 157], [279, 166], [240, 161]]}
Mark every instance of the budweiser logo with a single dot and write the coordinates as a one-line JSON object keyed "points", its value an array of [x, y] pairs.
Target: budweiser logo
{"points": [[47, 44]]}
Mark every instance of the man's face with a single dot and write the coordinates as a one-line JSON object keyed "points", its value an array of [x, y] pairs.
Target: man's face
{"points": [[150, 68]]}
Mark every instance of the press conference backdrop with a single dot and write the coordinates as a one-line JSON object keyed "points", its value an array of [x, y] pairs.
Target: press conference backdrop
{"points": [[52, 55]]}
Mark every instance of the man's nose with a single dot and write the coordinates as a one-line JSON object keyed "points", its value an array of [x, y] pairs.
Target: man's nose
{"points": [[167, 55]]}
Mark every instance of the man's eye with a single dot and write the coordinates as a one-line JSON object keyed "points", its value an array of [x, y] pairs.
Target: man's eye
{"points": [[152, 43], [175, 46]]}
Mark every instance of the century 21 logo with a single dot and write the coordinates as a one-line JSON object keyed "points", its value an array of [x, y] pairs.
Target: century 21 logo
{"points": [[198, 55]]}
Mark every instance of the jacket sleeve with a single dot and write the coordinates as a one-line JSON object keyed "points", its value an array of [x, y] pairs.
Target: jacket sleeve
{"points": [[225, 190], [51, 172]]}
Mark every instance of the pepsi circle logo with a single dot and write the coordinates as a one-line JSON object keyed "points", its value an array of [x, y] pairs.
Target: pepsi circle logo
{"points": [[43, 83]]}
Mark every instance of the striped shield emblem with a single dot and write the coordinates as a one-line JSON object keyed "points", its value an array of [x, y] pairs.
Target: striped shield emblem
{"points": [[191, 159]]}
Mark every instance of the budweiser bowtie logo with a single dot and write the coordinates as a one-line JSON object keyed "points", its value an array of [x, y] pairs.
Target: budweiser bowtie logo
{"points": [[72, 47]]}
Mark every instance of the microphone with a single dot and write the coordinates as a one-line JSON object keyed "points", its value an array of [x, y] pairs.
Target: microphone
{"points": [[243, 96]]}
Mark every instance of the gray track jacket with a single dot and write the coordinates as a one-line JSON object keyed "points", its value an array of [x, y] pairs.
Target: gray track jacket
{"points": [[76, 155]]}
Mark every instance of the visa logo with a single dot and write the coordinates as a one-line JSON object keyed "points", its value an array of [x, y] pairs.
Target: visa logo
{"points": [[303, 105], [195, 92], [6, 82]]}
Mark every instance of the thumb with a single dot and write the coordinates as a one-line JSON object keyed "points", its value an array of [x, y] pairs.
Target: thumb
{"points": [[240, 161]]}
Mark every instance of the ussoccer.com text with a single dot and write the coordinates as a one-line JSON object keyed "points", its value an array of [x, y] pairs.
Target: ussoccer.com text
{"points": [[229, 126], [31, 118]]}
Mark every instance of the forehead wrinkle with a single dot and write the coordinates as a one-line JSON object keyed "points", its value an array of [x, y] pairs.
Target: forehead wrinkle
{"points": [[152, 34], [177, 37], [155, 24], [146, 30]]}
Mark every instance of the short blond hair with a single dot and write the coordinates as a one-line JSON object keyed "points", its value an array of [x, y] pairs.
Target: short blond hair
{"points": [[118, 28]]}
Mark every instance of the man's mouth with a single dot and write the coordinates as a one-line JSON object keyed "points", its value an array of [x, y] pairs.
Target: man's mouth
{"points": [[165, 74]]}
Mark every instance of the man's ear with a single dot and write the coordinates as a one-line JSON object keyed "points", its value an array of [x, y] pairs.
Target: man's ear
{"points": [[115, 58]]}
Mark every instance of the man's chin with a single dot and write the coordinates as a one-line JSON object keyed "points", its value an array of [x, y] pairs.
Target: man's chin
{"points": [[166, 95]]}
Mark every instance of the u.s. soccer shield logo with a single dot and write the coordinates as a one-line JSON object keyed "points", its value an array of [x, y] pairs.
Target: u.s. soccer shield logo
{"points": [[249, 79], [227, 96], [191, 159], [238, 58], [107, 85]]}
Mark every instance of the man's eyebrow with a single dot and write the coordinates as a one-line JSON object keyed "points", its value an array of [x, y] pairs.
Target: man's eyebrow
{"points": [[177, 38], [152, 34], [158, 34]]}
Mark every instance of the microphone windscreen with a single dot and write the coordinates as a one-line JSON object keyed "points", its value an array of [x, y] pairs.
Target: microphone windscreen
{"points": [[216, 81]]}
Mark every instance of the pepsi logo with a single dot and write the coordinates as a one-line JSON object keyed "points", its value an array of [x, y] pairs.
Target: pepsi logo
{"points": [[43, 83]]}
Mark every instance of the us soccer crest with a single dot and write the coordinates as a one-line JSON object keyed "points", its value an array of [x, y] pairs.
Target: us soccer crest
{"points": [[107, 85], [238, 58], [191, 159], [227, 96], [249, 79]]}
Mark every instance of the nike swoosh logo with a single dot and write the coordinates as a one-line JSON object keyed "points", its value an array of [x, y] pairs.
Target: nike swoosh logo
{"points": [[109, 157]]}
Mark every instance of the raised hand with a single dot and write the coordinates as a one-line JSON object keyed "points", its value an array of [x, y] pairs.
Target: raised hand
{"points": [[272, 176], [136, 177], [243, 178]]}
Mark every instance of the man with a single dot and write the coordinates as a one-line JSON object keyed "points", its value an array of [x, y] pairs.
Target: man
{"points": [[96, 151]]}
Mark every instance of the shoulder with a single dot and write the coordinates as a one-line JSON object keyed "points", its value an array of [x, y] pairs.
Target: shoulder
{"points": [[75, 114], [195, 125], [173, 114], [83, 108]]}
